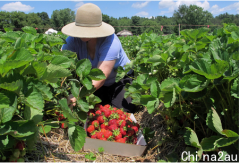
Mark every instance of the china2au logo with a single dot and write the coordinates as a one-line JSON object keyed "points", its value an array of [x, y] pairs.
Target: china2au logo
{"points": [[222, 156]]}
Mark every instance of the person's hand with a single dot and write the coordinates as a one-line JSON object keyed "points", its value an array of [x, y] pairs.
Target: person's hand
{"points": [[71, 101]]}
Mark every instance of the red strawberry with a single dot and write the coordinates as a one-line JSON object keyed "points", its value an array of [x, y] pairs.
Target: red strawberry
{"points": [[90, 111], [123, 123], [135, 128], [98, 112], [130, 132], [112, 127], [61, 117], [107, 134], [99, 135], [117, 134], [112, 122], [135, 140], [114, 109], [64, 125], [122, 117], [120, 112], [56, 112], [94, 135], [90, 129], [103, 130], [103, 139], [123, 131], [167, 117], [107, 112], [138, 126], [95, 123], [126, 138], [100, 119], [97, 106], [20, 145], [107, 106], [104, 126], [121, 140]]}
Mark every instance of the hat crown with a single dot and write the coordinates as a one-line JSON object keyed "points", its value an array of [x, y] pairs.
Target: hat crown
{"points": [[88, 15]]}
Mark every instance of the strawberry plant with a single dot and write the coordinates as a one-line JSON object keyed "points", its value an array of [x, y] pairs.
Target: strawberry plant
{"points": [[189, 75], [35, 80]]}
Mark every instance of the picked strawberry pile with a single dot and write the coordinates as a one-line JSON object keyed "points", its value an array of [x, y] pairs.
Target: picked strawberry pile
{"points": [[111, 124]]}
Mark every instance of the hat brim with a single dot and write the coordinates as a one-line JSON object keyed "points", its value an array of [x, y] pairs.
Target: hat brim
{"points": [[88, 32]]}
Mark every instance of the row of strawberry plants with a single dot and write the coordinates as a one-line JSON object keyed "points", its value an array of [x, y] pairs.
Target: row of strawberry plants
{"points": [[194, 76], [35, 80]]}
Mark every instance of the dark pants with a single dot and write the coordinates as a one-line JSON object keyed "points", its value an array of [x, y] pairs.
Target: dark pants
{"points": [[114, 95]]}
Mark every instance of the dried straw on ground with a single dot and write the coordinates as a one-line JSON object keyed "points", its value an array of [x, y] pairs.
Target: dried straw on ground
{"points": [[57, 148]]}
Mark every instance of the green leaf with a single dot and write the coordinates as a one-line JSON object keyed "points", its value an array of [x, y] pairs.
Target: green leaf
{"points": [[141, 79], [193, 83], [82, 116], [14, 86], [155, 89], [75, 89], [54, 72], [226, 141], [168, 84], [84, 106], [4, 101], [77, 136], [63, 61], [30, 30], [213, 121], [52, 40], [83, 68], [10, 36], [87, 82], [210, 71], [5, 141], [6, 114], [90, 156], [34, 98], [230, 133], [146, 98], [208, 144], [46, 129], [84, 92], [96, 74], [33, 114], [93, 100], [22, 129], [235, 88], [191, 138], [169, 98], [66, 110], [40, 68], [152, 106], [22, 54], [100, 149]]}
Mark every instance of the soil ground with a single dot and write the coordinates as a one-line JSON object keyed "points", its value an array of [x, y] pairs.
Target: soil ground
{"points": [[56, 146]]}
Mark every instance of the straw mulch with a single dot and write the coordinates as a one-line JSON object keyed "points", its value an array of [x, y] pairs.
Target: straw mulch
{"points": [[57, 148]]}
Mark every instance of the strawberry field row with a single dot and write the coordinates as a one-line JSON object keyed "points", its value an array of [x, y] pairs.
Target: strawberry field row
{"points": [[196, 77]]}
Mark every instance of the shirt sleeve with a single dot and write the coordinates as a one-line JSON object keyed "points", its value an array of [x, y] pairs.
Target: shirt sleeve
{"points": [[109, 50], [70, 44]]}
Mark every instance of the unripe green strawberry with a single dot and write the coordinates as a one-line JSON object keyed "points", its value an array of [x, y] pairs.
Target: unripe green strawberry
{"points": [[20, 160], [23, 153], [16, 153], [3, 158]]}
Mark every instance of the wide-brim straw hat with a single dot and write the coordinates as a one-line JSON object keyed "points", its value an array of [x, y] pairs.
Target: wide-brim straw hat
{"points": [[88, 23]]}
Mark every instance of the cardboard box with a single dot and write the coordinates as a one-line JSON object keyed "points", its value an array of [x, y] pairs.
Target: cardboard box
{"points": [[116, 148]]}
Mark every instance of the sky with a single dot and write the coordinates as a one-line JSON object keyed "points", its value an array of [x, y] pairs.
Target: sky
{"points": [[118, 9]]}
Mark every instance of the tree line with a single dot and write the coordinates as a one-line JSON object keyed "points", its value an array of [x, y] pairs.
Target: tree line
{"points": [[187, 16]]}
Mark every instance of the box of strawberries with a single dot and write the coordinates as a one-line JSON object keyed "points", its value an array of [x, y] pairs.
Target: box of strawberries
{"points": [[115, 130]]}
